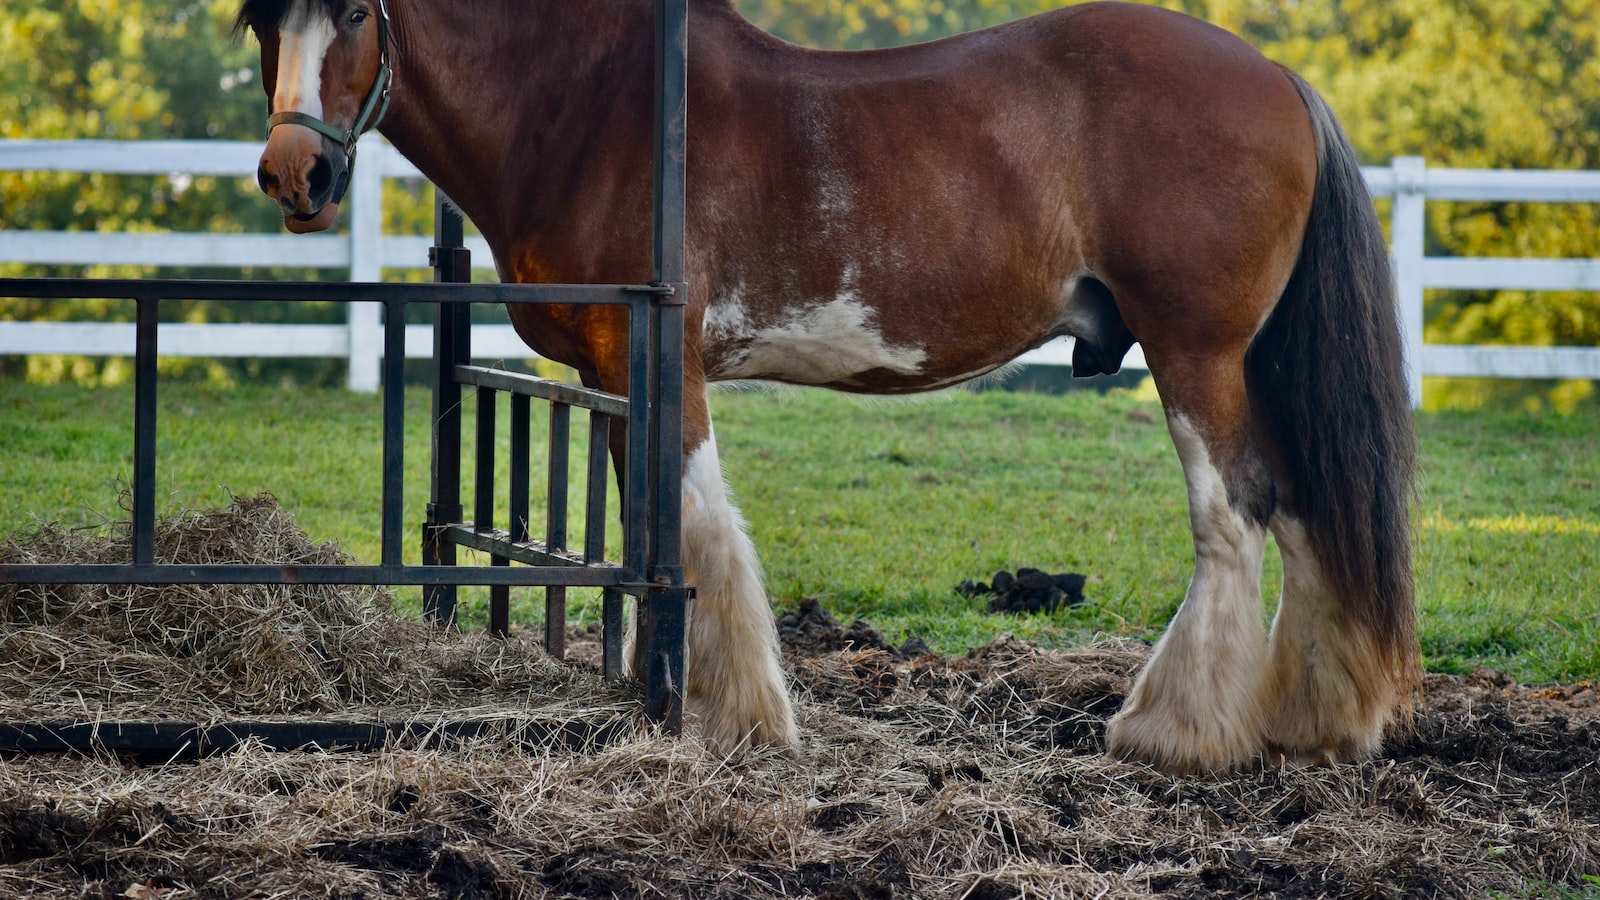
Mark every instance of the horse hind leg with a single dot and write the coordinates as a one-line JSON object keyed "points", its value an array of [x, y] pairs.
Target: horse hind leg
{"points": [[1329, 691], [1196, 706]]}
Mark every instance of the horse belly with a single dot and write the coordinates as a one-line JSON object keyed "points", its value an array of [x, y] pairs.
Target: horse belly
{"points": [[846, 343]]}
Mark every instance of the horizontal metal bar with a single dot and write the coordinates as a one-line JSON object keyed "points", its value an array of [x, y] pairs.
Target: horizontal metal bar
{"points": [[533, 386], [410, 292], [532, 552], [197, 739], [561, 573]]}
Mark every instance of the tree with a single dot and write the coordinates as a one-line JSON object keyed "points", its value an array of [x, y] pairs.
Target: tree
{"points": [[1490, 83]]}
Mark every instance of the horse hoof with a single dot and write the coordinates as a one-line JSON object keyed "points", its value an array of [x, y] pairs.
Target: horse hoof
{"points": [[1177, 744], [769, 724], [1360, 743]]}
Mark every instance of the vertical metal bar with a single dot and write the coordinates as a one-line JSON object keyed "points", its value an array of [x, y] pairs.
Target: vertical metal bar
{"points": [[594, 518], [499, 603], [611, 628], [483, 472], [452, 262], [666, 412], [594, 543], [672, 72], [667, 604], [555, 598], [144, 431], [665, 625], [517, 511], [636, 499], [635, 478], [394, 429], [521, 460], [560, 462]]}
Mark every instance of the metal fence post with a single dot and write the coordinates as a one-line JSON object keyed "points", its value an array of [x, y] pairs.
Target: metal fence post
{"points": [[366, 231], [1408, 229], [452, 262], [667, 610]]}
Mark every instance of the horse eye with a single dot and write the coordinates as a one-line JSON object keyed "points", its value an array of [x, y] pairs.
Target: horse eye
{"points": [[357, 17]]}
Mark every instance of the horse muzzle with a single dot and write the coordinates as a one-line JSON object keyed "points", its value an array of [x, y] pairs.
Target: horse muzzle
{"points": [[306, 175]]}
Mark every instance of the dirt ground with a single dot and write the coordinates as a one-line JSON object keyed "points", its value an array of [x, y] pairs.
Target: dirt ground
{"points": [[978, 776]]}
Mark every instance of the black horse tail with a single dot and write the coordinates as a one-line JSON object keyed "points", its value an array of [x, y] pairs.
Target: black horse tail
{"points": [[1328, 371]]}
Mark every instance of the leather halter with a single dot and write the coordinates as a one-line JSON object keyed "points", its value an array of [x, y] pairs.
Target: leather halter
{"points": [[372, 110]]}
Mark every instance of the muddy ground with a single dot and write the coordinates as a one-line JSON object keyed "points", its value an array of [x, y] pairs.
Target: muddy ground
{"points": [[978, 776]]}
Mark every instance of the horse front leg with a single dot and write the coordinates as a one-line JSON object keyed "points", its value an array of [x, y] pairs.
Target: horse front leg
{"points": [[736, 686]]}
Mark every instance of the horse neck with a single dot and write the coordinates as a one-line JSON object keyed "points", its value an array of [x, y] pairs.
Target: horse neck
{"points": [[498, 102]]}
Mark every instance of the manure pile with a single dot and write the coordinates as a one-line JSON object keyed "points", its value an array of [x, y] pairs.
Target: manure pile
{"points": [[977, 776]]}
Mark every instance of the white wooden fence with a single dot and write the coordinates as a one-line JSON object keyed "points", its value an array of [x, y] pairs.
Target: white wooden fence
{"points": [[366, 251]]}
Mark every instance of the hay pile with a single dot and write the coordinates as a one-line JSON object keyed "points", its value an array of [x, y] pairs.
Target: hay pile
{"points": [[977, 776], [205, 652]]}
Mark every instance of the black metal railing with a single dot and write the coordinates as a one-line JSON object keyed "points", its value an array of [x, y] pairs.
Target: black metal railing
{"points": [[650, 567]]}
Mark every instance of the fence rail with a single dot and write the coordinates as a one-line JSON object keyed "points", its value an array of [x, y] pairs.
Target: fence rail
{"points": [[365, 251]]}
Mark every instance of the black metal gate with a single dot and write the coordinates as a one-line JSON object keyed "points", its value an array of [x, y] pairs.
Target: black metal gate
{"points": [[649, 567]]}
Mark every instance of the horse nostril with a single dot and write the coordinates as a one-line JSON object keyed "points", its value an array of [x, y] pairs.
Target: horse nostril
{"points": [[267, 180], [321, 177]]}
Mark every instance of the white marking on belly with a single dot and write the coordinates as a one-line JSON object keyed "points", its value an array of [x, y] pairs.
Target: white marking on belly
{"points": [[304, 40], [827, 343], [725, 319]]}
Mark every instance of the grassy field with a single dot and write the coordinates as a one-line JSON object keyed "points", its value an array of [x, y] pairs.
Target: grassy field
{"points": [[879, 508]]}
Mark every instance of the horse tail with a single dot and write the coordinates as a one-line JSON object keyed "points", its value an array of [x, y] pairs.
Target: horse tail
{"points": [[1329, 378]]}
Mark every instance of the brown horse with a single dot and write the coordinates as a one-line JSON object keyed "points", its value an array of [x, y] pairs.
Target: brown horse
{"points": [[902, 220]]}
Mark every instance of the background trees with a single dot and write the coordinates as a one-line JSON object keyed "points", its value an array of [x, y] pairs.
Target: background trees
{"points": [[1491, 83]]}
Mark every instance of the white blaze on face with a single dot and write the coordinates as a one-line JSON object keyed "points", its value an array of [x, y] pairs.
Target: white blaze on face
{"points": [[303, 40]]}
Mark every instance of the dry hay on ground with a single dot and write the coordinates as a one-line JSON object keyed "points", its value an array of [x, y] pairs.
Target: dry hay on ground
{"points": [[973, 776]]}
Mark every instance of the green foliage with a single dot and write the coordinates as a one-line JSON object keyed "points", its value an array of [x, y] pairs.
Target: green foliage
{"points": [[1476, 83], [1472, 84]]}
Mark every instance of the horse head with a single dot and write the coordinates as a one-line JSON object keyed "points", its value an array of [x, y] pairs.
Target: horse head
{"points": [[325, 68]]}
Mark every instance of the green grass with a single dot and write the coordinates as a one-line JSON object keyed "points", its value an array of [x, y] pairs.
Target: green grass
{"points": [[879, 507]]}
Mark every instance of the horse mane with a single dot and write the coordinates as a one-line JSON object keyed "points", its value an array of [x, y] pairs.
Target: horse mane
{"points": [[266, 13]]}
